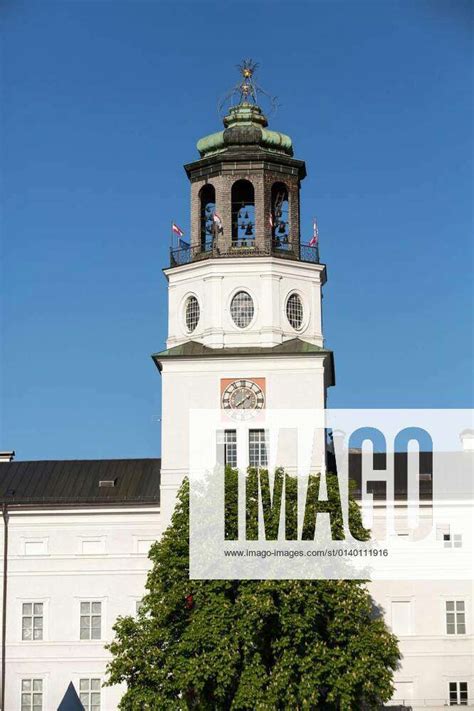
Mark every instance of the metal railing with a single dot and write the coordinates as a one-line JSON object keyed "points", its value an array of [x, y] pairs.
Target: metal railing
{"points": [[195, 253]]}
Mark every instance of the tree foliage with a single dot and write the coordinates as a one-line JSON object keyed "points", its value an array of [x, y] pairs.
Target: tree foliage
{"points": [[245, 644]]}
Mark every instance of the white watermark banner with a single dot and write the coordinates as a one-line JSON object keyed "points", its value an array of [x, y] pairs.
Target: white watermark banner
{"points": [[331, 494]]}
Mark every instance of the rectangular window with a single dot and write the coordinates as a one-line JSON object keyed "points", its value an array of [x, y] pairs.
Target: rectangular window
{"points": [[452, 541], [227, 448], [230, 448], [31, 695], [401, 617], [455, 617], [91, 620], [89, 694], [458, 693], [32, 621], [257, 448]]}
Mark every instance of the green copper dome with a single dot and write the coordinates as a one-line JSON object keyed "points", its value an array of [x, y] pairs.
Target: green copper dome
{"points": [[245, 125]]}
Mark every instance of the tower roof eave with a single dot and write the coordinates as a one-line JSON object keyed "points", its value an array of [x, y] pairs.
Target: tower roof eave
{"points": [[294, 346], [244, 154]]}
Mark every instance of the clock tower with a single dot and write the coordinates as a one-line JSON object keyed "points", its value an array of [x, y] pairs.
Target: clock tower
{"points": [[244, 296]]}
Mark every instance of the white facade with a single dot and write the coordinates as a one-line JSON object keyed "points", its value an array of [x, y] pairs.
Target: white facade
{"points": [[431, 658], [290, 382], [59, 559], [269, 281]]}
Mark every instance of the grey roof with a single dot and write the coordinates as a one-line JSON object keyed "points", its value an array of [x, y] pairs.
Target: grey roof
{"points": [[294, 346], [76, 482]]}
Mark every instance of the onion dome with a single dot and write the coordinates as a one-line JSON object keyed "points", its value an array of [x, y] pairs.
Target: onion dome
{"points": [[245, 125]]}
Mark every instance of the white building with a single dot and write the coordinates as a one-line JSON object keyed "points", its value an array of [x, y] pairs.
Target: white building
{"points": [[245, 330], [78, 537]]}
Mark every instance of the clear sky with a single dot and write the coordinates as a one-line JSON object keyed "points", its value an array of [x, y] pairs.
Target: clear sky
{"points": [[102, 103]]}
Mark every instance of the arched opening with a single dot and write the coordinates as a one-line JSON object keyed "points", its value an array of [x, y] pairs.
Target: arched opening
{"points": [[243, 214], [207, 197], [280, 217]]}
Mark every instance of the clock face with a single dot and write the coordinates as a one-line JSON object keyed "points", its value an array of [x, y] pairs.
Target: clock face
{"points": [[243, 395]]}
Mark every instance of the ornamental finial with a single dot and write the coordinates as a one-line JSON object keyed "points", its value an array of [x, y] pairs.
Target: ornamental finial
{"points": [[247, 90], [247, 87]]}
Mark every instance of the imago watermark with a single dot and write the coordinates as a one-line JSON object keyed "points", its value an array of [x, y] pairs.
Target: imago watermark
{"points": [[335, 494]]}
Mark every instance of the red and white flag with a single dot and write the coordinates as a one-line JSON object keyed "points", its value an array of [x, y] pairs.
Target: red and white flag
{"points": [[177, 230], [315, 238]]}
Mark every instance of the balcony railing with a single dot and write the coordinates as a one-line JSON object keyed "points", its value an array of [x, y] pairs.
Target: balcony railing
{"points": [[195, 253]]}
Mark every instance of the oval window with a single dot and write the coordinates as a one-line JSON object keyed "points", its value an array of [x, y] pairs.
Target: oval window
{"points": [[191, 313], [242, 309], [294, 311]]}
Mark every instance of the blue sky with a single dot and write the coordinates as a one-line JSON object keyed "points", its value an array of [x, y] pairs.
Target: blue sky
{"points": [[104, 101]]}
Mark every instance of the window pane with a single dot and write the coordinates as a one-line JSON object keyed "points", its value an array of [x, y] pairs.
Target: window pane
{"points": [[450, 628], [95, 684], [230, 443], [192, 313], [26, 629], [257, 448], [84, 700], [27, 608], [84, 684], [85, 634], [450, 606], [95, 633], [26, 685], [460, 605], [95, 698], [38, 634], [242, 309], [294, 311], [38, 608], [96, 607], [37, 685], [38, 623], [461, 628], [85, 607]]}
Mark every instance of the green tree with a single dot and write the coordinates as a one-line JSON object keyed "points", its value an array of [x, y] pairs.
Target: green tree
{"points": [[249, 644]]}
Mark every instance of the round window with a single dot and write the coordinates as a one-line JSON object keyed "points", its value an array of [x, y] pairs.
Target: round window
{"points": [[192, 313], [294, 311], [242, 309]]}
